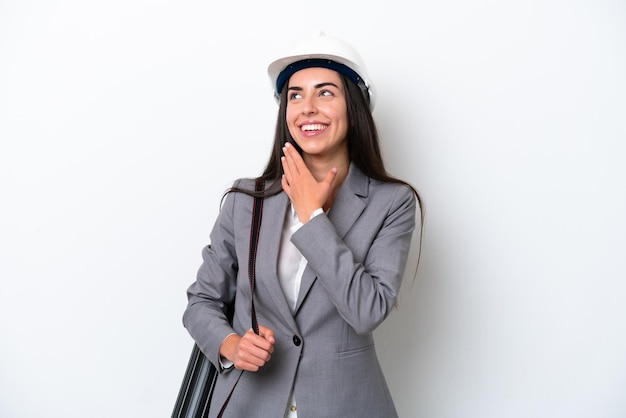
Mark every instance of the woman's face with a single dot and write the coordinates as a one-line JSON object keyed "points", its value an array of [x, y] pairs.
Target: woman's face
{"points": [[317, 115]]}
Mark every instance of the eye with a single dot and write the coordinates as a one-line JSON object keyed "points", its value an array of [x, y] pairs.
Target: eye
{"points": [[326, 93], [294, 95]]}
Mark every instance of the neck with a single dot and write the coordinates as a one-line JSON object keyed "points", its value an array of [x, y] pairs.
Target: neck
{"points": [[320, 168]]}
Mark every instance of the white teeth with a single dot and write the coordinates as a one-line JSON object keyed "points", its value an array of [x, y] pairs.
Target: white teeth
{"points": [[313, 127]]}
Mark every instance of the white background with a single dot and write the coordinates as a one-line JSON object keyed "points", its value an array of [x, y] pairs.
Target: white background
{"points": [[122, 122]]}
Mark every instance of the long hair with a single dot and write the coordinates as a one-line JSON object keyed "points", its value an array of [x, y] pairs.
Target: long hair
{"points": [[363, 147], [362, 137]]}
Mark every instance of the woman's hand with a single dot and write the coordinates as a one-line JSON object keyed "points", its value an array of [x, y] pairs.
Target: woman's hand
{"points": [[251, 351], [304, 191]]}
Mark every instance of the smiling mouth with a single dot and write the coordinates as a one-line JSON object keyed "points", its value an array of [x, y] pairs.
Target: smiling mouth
{"points": [[313, 127]]}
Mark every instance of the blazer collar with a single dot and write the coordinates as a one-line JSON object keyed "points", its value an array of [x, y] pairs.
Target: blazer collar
{"points": [[348, 203], [356, 181], [274, 212]]}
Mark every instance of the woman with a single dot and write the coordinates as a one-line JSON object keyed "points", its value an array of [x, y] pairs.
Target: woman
{"points": [[333, 245]]}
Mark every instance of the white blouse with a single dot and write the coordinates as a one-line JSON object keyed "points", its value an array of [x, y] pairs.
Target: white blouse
{"points": [[291, 265]]}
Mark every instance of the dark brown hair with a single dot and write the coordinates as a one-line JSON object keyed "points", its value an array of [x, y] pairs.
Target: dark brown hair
{"points": [[362, 138], [363, 146]]}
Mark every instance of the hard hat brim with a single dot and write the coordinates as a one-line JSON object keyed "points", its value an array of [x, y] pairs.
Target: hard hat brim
{"points": [[322, 48]]}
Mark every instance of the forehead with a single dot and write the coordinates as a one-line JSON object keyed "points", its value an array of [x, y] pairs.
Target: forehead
{"points": [[314, 76]]}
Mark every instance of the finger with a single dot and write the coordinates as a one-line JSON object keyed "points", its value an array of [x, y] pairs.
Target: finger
{"points": [[331, 176], [285, 163], [285, 184], [289, 167], [293, 158], [267, 333], [260, 341], [255, 349], [249, 362], [286, 177]]}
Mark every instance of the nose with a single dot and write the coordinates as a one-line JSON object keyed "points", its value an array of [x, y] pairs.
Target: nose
{"points": [[308, 105]]}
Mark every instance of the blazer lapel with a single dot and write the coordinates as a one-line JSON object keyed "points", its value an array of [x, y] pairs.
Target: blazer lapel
{"points": [[348, 204], [345, 211], [274, 211]]}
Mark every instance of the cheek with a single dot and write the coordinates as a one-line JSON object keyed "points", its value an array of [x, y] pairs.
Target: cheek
{"points": [[290, 121], [343, 125], [293, 132]]}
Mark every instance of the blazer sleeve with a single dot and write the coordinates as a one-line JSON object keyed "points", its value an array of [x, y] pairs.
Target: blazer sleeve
{"points": [[212, 295], [364, 292]]}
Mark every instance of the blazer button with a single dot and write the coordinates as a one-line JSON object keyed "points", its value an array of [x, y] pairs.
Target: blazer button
{"points": [[297, 341]]}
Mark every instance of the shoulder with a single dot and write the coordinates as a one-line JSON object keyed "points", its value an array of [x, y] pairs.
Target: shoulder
{"points": [[238, 190], [247, 185], [244, 183], [363, 185], [392, 201], [242, 191], [391, 191]]}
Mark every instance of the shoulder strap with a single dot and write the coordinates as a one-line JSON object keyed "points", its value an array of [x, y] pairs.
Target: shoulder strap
{"points": [[255, 227], [257, 211]]}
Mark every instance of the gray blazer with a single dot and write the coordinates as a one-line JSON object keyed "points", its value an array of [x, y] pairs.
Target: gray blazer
{"points": [[325, 350]]}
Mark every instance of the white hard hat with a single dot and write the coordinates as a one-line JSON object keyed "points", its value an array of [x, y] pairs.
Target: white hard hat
{"points": [[322, 51]]}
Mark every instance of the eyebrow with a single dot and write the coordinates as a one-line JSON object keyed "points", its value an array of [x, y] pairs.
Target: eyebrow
{"points": [[317, 86]]}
